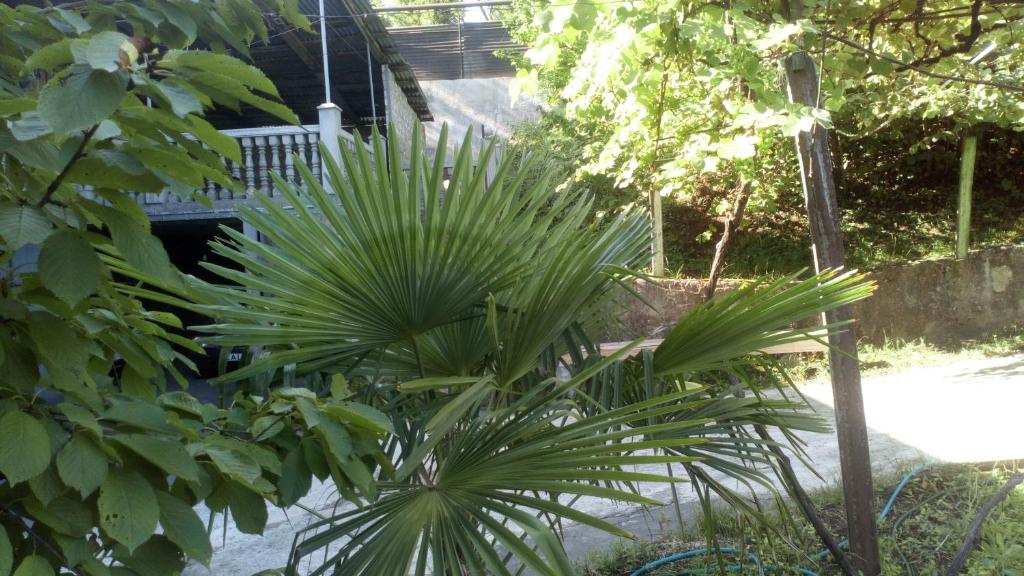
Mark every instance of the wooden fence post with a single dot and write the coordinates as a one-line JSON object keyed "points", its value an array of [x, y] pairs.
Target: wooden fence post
{"points": [[826, 235], [968, 153]]}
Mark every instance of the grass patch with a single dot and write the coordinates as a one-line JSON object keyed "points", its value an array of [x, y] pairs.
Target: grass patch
{"points": [[897, 355], [925, 526]]}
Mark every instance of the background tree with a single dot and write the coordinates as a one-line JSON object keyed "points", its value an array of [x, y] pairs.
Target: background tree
{"points": [[685, 92]]}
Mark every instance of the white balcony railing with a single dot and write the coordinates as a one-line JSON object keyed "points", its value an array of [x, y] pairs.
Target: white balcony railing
{"points": [[264, 150]]}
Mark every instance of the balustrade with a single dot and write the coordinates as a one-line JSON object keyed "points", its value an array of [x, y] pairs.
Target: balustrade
{"points": [[263, 150]]}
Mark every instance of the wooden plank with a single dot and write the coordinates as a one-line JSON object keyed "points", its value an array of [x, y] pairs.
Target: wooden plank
{"points": [[802, 347]]}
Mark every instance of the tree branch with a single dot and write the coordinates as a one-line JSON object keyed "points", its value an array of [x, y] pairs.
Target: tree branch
{"points": [[974, 533], [79, 152], [922, 71]]}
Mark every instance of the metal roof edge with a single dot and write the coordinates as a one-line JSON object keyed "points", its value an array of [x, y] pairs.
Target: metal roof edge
{"points": [[385, 50]]}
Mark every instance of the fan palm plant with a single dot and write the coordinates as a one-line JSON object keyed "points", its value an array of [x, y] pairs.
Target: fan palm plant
{"points": [[459, 308]]}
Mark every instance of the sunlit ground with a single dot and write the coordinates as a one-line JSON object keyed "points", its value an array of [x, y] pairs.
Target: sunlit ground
{"points": [[965, 412]]}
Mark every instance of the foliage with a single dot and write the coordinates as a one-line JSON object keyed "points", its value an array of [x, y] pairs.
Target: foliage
{"points": [[453, 308], [422, 17], [931, 525], [897, 192], [669, 95], [97, 449]]}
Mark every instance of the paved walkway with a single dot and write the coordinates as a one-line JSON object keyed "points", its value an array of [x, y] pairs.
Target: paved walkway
{"points": [[964, 412]]}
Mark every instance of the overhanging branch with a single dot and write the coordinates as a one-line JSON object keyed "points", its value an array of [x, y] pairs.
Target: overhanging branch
{"points": [[911, 67]]}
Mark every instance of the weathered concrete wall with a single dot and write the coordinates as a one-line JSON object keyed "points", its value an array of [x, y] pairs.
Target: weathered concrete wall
{"points": [[941, 301], [483, 104], [945, 301], [399, 113]]}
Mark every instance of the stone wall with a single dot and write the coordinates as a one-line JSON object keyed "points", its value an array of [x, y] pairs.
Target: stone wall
{"points": [[941, 301], [946, 300]]}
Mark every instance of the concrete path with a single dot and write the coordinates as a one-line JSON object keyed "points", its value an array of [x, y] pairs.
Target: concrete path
{"points": [[964, 412]]}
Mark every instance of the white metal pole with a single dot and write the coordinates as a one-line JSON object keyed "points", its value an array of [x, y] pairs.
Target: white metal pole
{"points": [[323, 49], [369, 70]]}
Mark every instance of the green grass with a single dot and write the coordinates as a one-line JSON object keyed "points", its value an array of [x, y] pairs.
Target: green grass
{"points": [[920, 535], [897, 356]]}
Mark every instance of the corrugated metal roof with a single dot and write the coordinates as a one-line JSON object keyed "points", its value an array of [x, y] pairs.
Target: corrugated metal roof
{"points": [[299, 79], [454, 51], [386, 50]]}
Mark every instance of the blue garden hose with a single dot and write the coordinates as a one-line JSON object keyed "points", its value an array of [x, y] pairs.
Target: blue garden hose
{"points": [[757, 561]]}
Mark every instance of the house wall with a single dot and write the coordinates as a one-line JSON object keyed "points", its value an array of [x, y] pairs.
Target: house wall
{"points": [[483, 105], [399, 113], [942, 301]]}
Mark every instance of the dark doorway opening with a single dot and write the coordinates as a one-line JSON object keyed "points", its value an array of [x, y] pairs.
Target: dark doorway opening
{"points": [[187, 243]]}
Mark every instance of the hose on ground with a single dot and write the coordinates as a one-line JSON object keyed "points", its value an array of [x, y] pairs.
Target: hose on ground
{"points": [[736, 567]]}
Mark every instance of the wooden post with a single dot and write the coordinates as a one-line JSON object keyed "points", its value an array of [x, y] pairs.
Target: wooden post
{"points": [[826, 235], [658, 235], [968, 153]]}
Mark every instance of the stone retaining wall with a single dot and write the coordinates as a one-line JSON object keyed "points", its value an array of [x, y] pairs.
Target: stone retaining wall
{"points": [[941, 301]]}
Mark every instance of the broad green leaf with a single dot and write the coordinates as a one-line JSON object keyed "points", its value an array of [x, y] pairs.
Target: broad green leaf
{"points": [[158, 556], [85, 98], [128, 508], [25, 449], [169, 455], [80, 24], [82, 417], [183, 101], [266, 427], [11, 105], [296, 478], [66, 515], [107, 50], [218, 141], [34, 566], [338, 440], [135, 384], [248, 509], [140, 249], [61, 346], [178, 18], [339, 387], [20, 368], [220, 65], [76, 550], [69, 266], [138, 413], [6, 553], [234, 463], [50, 56], [82, 465], [47, 486], [29, 127], [361, 416], [21, 225], [182, 526]]}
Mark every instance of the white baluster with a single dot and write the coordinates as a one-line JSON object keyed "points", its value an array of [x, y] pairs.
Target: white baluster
{"points": [[261, 153], [236, 173], [275, 159], [289, 151], [250, 169], [314, 153], [211, 186]]}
